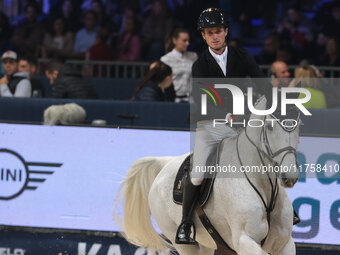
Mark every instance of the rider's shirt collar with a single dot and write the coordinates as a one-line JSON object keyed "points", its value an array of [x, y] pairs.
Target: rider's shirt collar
{"points": [[221, 59]]}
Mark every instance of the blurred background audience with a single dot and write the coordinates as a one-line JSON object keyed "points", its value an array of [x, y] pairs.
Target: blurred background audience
{"points": [[295, 30], [294, 33]]}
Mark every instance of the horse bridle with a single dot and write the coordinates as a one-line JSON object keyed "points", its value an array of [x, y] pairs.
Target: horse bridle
{"points": [[288, 149], [270, 156]]}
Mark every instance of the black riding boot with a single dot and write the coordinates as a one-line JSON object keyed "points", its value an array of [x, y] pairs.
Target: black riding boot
{"points": [[190, 194], [296, 218]]}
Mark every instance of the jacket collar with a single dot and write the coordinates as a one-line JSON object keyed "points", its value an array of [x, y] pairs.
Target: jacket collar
{"points": [[230, 57], [214, 68]]}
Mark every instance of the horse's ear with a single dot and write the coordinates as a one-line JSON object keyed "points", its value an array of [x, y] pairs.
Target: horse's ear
{"points": [[260, 104]]}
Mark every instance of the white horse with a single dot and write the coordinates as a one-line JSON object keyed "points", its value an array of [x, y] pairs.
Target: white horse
{"points": [[235, 208]]}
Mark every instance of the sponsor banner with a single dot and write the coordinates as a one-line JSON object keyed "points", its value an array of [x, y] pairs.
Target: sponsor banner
{"points": [[26, 243], [68, 177], [316, 195]]}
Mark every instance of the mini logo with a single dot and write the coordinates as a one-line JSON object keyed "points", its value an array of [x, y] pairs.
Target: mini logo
{"points": [[17, 175], [204, 97]]}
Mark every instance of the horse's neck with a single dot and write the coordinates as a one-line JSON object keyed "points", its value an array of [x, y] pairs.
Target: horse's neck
{"points": [[253, 134], [250, 156]]}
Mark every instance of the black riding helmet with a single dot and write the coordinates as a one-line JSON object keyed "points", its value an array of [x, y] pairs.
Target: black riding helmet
{"points": [[212, 17]]}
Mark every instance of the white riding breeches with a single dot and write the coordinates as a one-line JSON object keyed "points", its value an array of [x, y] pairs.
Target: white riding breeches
{"points": [[207, 138]]}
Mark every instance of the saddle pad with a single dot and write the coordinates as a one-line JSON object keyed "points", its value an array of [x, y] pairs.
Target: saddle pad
{"points": [[206, 186]]}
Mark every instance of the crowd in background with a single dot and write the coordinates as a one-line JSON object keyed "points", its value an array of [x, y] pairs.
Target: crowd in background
{"points": [[138, 29], [163, 31]]}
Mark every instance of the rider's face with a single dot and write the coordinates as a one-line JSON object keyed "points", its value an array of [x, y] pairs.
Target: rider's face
{"points": [[215, 37]]}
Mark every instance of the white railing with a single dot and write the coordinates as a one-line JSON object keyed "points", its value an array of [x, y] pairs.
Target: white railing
{"points": [[105, 69], [331, 71]]}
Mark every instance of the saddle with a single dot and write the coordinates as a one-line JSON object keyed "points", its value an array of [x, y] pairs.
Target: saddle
{"points": [[206, 186]]}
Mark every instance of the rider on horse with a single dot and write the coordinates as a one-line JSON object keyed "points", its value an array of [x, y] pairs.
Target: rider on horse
{"points": [[217, 61]]}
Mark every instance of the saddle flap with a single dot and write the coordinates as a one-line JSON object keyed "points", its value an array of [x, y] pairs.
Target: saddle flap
{"points": [[206, 186]]}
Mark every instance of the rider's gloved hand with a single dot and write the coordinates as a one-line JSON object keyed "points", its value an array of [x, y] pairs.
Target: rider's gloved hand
{"points": [[229, 117]]}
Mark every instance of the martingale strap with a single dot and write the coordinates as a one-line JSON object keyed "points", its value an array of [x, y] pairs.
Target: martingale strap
{"points": [[222, 247]]}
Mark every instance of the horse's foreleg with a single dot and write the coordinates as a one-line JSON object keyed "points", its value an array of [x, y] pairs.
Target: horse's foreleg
{"points": [[248, 246], [289, 249]]}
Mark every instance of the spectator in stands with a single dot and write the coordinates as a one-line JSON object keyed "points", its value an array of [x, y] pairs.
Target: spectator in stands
{"points": [[5, 33], [154, 84], [319, 50], [332, 57], [243, 12], [27, 37], [330, 91], [188, 19], [170, 91], [180, 60], [129, 13], [331, 22], [100, 51], [86, 36], [30, 64], [115, 11], [296, 29], [268, 53], [59, 42], [98, 7], [157, 24], [307, 76], [68, 11], [67, 82], [13, 84], [286, 54], [280, 75], [129, 43]]}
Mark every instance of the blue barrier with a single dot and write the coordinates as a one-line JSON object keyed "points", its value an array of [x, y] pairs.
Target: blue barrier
{"points": [[121, 113], [322, 122], [145, 114]]}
